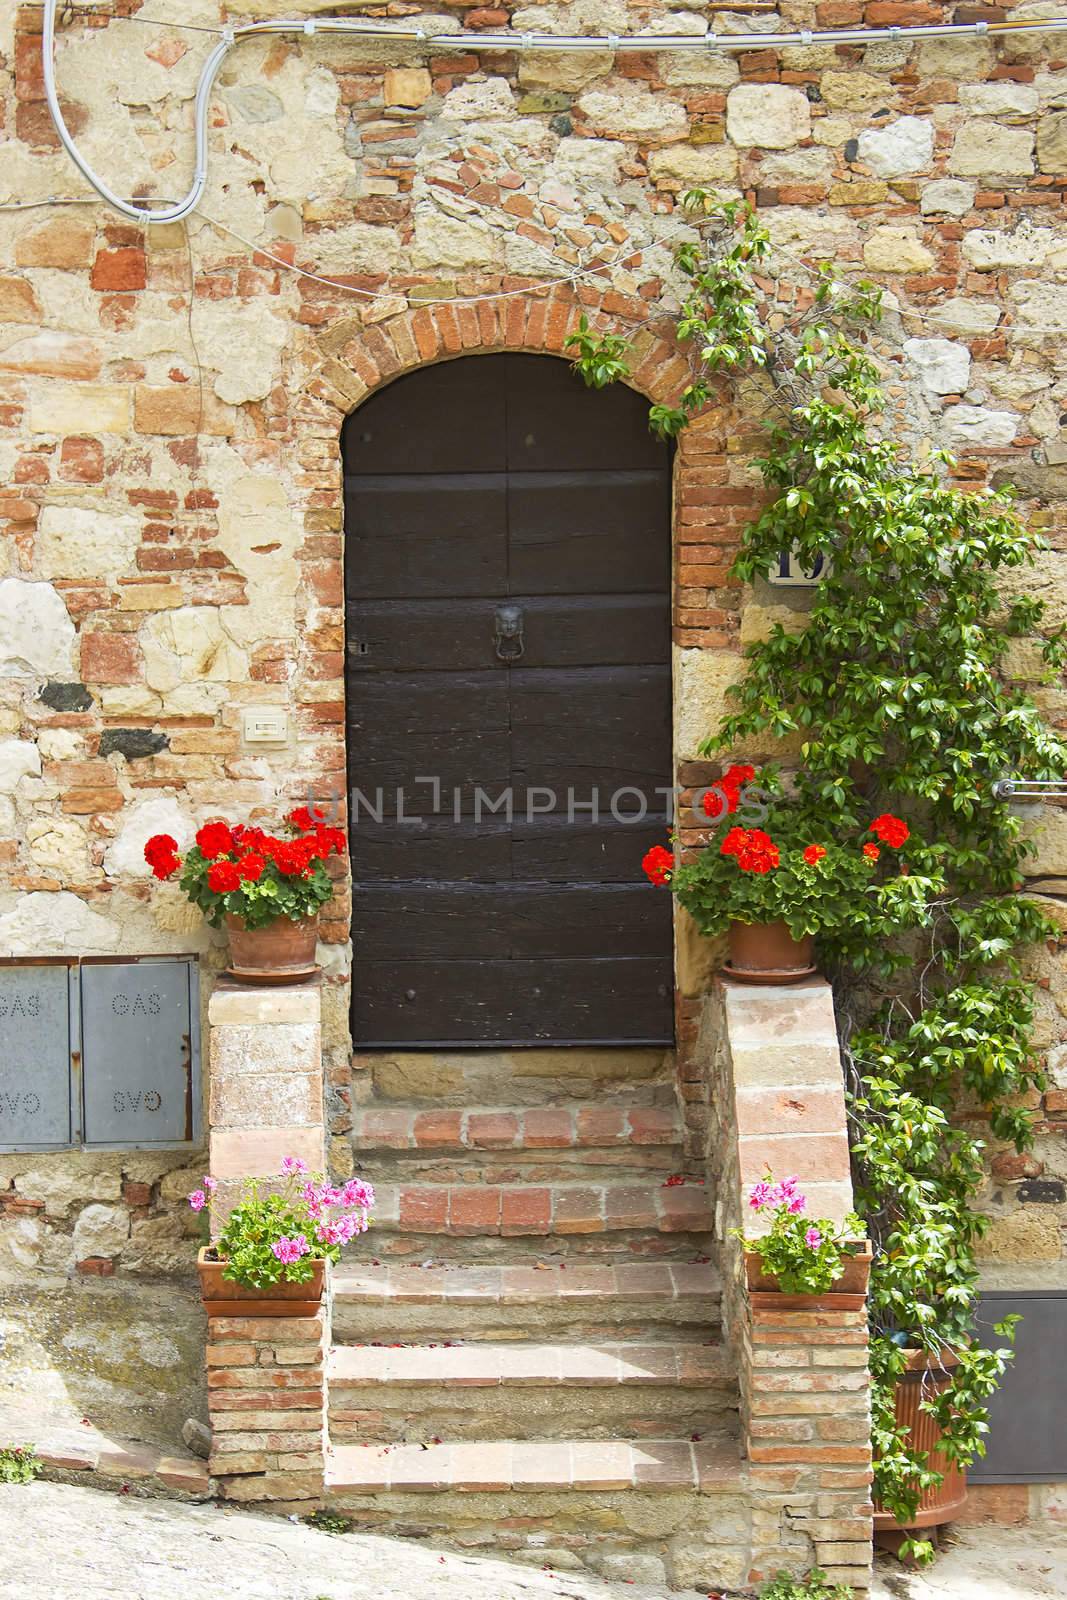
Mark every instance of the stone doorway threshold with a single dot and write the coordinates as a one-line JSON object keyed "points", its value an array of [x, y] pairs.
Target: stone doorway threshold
{"points": [[76, 1451]]}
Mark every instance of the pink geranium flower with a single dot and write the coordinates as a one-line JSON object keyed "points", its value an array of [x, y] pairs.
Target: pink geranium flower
{"points": [[210, 1183], [760, 1196], [291, 1164], [198, 1199], [290, 1250], [357, 1193], [813, 1238]]}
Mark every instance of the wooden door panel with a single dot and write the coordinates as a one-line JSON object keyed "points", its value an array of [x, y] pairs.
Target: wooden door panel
{"points": [[514, 1002], [430, 635], [424, 702], [548, 847], [589, 532], [436, 534], [459, 635], [432, 849], [561, 426], [424, 921], [446, 418], [465, 762], [468, 486]]}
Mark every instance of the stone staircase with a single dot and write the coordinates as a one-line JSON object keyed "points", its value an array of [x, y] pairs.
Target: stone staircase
{"points": [[528, 1354]]}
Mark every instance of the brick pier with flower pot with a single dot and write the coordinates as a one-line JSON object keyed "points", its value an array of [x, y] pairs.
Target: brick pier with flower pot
{"points": [[548, 1343]]}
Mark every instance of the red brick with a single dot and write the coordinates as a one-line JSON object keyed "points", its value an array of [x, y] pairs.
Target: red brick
{"points": [[436, 1129], [1005, 1503], [547, 1129], [525, 1211], [600, 1125], [492, 1130], [110, 658], [578, 1211], [424, 1210], [96, 1267], [81, 460], [119, 270], [474, 1210]]}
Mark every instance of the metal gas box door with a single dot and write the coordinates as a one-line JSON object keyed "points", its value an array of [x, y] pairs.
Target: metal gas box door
{"points": [[137, 1033], [35, 1055]]}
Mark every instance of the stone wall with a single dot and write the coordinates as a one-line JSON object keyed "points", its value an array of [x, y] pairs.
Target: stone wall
{"points": [[171, 398]]}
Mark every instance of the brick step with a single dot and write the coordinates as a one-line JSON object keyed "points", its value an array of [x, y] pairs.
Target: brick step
{"points": [[671, 1502], [421, 1392], [528, 1077], [644, 1217], [599, 1298], [505, 1465], [518, 1128]]}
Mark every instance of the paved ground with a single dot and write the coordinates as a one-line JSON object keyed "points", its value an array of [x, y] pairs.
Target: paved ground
{"points": [[59, 1542]]}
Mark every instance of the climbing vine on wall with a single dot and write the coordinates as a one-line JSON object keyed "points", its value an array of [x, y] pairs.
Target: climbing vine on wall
{"points": [[893, 696]]}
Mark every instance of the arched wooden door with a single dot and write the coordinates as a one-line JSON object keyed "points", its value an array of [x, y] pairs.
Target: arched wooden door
{"points": [[507, 572]]}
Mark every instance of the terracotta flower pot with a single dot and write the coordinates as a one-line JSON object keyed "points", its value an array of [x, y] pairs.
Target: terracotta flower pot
{"points": [[924, 1377], [282, 951], [847, 1292], [766, 952], [224, 1299]]}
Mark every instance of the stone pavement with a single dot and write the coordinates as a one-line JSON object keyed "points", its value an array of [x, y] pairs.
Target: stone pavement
{"points": [[66, 1542]]}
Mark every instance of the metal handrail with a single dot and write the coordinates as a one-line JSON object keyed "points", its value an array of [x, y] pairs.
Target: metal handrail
{"points": [[1030, 788]]}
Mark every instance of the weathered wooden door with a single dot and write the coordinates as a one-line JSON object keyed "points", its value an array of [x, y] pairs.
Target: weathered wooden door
{"points": [[507, 586]]}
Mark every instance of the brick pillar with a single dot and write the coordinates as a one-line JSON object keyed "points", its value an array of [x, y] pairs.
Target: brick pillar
{"points": [[776, 1102], [265, 1094], [266, 1376], [267, 1406], [805, 1396]]}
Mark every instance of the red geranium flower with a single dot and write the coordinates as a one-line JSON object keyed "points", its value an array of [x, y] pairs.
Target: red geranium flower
{"points": [[872, 852], [250, 867], [754, 850], [304, 817], [814, 854], [163, 866], [222, 877], [728, 788], [214, 839], [160, 844], [760, 860], [658, 864], [892, 831]]}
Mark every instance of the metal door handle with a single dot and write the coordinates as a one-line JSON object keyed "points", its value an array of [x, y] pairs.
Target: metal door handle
{"points": [[508, 633]]}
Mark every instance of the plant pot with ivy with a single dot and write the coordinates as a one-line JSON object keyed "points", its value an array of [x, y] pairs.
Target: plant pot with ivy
{"points": [[271, 1255], [267, 890], [775, 890], [896, 695]]}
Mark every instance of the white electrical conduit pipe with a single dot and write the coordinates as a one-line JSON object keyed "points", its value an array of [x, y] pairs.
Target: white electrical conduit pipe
{"points": [[422, 38]]}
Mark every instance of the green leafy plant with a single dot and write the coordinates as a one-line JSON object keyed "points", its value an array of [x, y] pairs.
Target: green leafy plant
{"points": [[804, 1254], [247, 873], [330, 1522], [895, 695], [277, 1233], [815, 1586], [19, 1463]]}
